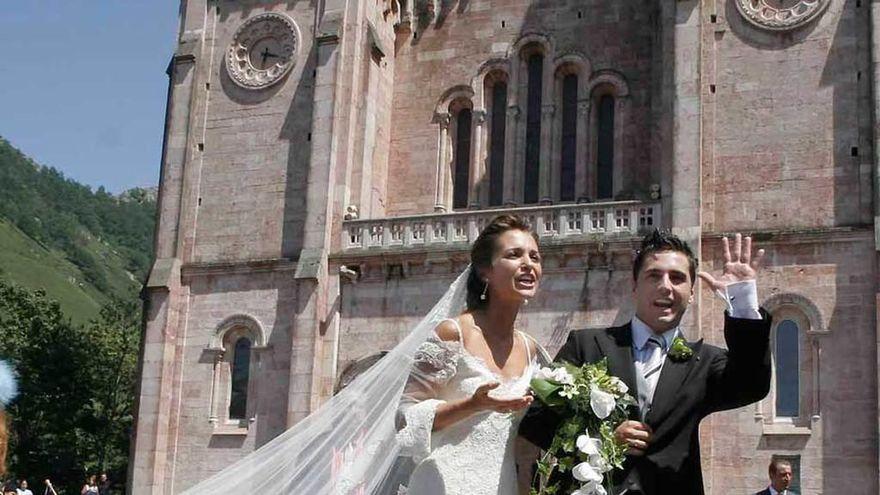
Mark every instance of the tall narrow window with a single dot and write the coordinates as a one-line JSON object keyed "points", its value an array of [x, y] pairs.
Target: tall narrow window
{"points": [[605, 148], [533, 128], [241, 363], [569, 137], [496, 143], [462, 159], [787, 370]]}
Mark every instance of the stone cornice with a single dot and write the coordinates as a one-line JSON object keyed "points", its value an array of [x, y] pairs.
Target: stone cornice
{"points": [[802, 235], [193, 270]]}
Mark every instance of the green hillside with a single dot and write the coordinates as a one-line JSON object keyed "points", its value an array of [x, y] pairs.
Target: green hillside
{"points": [[81, 246]]}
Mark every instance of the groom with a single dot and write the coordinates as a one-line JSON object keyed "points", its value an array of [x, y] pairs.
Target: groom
{"points": [[675, 390]]}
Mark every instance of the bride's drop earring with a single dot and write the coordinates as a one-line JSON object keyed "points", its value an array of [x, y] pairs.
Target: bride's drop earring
{"points": [[483, 295], [525, 302]]}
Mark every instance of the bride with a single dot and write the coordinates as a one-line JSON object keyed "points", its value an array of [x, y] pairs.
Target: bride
{"points": [[438, 413], [468, 387]]}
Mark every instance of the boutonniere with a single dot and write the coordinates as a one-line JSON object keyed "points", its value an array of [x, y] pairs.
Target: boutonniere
{"points": [[679, 351]]}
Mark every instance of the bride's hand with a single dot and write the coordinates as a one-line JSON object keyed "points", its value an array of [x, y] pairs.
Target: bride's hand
{"points": [[482, 401]]}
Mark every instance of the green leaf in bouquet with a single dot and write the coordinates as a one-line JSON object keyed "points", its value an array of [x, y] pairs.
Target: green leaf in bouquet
{"points": [[573, 370], [547, 392], [544, 468], [572, 428], [565, 464]]}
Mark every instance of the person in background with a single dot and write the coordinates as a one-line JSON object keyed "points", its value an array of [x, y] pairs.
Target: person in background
{"points": [[90, 487], [103, 484], [780, 478], [50, 490], [23, 488]]}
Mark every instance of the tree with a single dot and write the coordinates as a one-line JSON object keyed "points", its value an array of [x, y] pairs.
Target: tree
{"points": [[74, 411]]}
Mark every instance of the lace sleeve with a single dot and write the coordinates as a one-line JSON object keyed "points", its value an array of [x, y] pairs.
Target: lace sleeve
{"points": [[434, 364]]}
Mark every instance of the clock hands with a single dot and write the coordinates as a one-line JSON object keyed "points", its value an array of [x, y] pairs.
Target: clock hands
{"points": [[267, 54]]}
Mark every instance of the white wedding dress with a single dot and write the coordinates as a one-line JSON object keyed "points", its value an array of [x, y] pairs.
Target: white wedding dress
{"points": [[474, 456]]}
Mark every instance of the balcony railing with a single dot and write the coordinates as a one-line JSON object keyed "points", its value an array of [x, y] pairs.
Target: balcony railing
{"points": [[554, 222]]}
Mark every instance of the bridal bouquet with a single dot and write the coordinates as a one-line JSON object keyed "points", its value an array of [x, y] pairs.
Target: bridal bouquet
{"points": [[584, 450]]}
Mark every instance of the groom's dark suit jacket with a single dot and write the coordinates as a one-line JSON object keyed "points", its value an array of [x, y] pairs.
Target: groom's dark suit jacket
{"points": [[713, 379]]}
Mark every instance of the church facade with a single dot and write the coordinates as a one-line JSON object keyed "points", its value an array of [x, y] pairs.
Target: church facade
{"points": [[327, 163]]}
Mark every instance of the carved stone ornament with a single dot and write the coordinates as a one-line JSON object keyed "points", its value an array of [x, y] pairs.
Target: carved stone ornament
{"points": [[263, 50], [781, 15]]}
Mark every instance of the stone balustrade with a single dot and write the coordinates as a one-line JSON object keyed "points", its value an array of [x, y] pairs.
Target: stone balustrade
{"points": [[551, 222]]}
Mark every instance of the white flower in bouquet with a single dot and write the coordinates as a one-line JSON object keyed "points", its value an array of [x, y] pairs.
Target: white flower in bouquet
{"points": [[591, 488], [601, 402], [559, 375], [569, 392], [619, 385], [592, 447], [584, 472], [544, 373], [599, 463], [589, 445]]}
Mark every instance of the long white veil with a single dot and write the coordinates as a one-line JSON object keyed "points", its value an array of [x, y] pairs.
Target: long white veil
{"points": [[348, 446]]}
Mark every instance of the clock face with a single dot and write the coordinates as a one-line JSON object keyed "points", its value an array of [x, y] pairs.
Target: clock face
{"points": [[267, 52], [781, 15], [263, 50]]}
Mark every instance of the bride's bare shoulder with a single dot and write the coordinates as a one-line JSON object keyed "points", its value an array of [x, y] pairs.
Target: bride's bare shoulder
{"points": [[532, 343], [448, 330]]}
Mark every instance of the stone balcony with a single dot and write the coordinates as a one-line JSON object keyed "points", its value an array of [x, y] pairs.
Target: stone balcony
{"points": [[564, 223]]}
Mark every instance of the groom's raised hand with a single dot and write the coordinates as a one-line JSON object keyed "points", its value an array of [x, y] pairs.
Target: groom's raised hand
{"points": [[739, 265]]}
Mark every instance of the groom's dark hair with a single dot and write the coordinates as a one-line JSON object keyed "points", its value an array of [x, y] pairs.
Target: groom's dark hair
{"points": [[484, 249], [661, 240]]}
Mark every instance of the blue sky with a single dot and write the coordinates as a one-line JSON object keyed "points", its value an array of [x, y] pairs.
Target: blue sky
{"points": [[83, 86]]}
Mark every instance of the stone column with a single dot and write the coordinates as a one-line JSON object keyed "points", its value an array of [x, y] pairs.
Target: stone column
{"points": [[582, 163], [545, 193], [476, 195], [311, 277], [875, 65], [165, 300], [686, 136], [512, 132], [511, 135], [556, 146], [440, 186], [621, 116]]}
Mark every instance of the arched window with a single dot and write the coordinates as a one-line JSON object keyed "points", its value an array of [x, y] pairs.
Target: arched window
{"points": [[568, 148], [787, 369], [605, 147], [793, 404], [238, 394], [535, 74], [462, 158], [235, 348], [462, 128], [497, 128]]}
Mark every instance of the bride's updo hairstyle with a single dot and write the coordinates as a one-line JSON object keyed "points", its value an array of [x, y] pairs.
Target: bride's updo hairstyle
{"points": [[482, 252]]}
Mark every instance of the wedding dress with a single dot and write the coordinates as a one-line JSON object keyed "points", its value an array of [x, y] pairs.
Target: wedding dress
{"points": [[474, 456]]}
